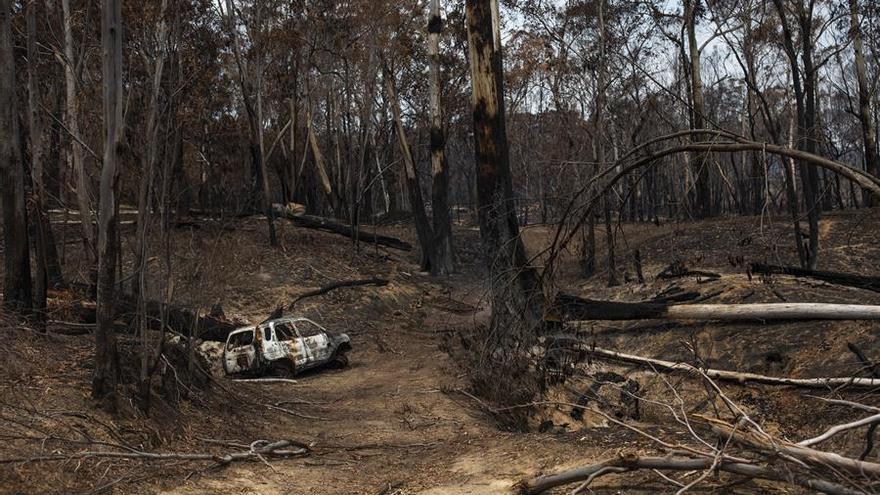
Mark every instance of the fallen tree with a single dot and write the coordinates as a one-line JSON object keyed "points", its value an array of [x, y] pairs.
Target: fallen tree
{"points": [[732, 376], [573, 308], [847, 279], [178, 319], [327, 225]]}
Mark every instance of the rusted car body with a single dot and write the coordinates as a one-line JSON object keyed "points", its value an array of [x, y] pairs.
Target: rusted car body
{"points": [[283, 346]]}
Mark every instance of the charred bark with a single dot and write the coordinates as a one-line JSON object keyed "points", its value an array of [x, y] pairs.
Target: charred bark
{"points": [[17, 291], [423, 229], [38, 156], [869, 131], [516, 292], [573, 308], [105, 378], [850, 280], [703, 193], [444, 255], [77, 157]]}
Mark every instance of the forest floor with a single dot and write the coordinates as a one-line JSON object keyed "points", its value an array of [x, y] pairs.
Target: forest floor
{"points": [[398, 419]]}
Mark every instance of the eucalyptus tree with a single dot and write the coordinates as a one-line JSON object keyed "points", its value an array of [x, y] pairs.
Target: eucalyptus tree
{"points": [[17, 290]]}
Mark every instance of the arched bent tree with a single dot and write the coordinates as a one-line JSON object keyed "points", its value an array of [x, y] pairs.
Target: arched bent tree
{"points": [[631, 162]]}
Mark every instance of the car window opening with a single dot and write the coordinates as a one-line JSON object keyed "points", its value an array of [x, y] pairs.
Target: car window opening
{"points": [[243, 339], [284, 331]]}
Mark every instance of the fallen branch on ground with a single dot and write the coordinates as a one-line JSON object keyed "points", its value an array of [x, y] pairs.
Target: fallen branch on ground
{"points": [[807, 455], [632, 462], [380, 282], [258, 450], [679, 270], [327, 225], [732, 376], [847, 279], [575, 308], [271, 380], [834, 430]]}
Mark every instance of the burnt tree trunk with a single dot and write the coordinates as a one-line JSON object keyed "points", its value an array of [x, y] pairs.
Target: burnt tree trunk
{"points": [[444, 258], [77, 157], [703, 193], [250, 80], [139, 284], [417, 205], [38, 157], [17, 271], [803, 82], [516, 292], [872, 159], [599, 126], [105, 378]]}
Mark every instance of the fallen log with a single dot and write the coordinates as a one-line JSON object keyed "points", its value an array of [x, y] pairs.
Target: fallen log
{"points": [[380, 282], [679, 270], [575, 308], [327, 225], [847, 279], [731, 376], [632, 462], [180, 320]]}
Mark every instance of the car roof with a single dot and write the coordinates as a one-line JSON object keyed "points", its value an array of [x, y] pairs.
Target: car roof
{"points": [[289, 319], [292, 319], [242, 330]]}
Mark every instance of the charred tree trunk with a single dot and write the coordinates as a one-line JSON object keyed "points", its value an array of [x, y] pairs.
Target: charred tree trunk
{"points": [[139, 283], [17, 291], [444, 255], [261, 165], [803, 82], [588, 247], [327, 225], [869, 132], [106, 360], [359, 198], [417, 205], [251, 85], [77, 156], [600, 144], [516, 292], [703, 207], [37, 151]]}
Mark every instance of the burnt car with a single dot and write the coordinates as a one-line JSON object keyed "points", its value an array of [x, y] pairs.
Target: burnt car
{"points": [[285, 346]]}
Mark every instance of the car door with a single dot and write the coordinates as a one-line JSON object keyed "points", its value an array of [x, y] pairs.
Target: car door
{"points": [[316, 340], [291, 344], [271, 350], [240, 354]]}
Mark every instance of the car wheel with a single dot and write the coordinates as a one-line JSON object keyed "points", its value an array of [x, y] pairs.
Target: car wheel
{"points": [[282, 368], [340, 360]]}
